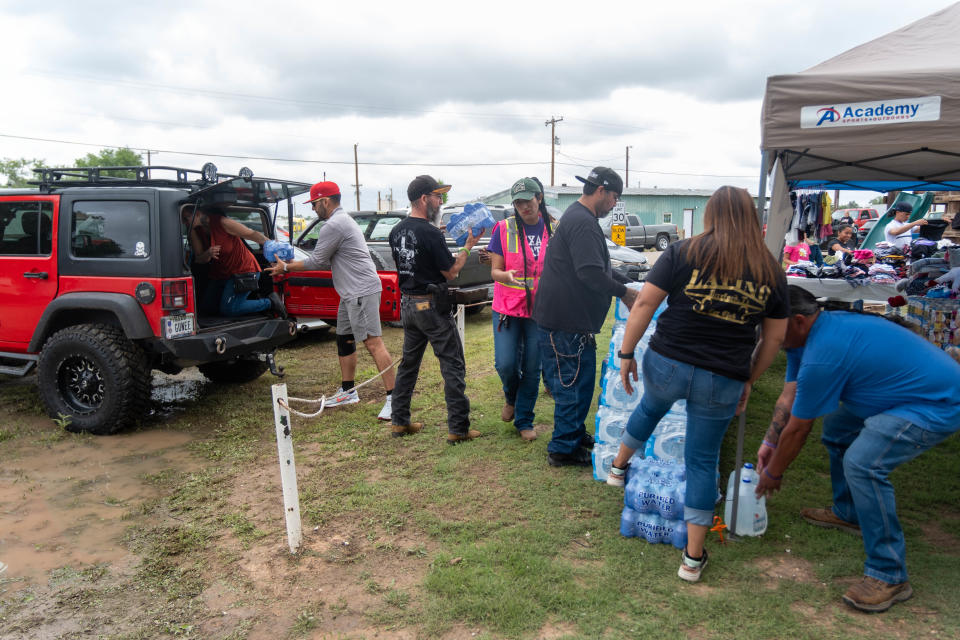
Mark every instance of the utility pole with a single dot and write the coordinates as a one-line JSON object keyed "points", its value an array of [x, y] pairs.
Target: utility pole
{"points": [[626, 182], [356, 175], [552, 123]]}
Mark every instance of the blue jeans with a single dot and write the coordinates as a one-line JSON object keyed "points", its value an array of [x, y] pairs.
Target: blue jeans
{"points": [[862, 455], [711, 402], [238, 304], [570, 371], [516, 354]]}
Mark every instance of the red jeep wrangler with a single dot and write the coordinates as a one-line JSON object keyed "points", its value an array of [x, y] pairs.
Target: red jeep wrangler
{"points": [[97, 287]]}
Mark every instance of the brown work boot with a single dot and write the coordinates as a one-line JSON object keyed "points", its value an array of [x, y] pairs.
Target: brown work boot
{"points": [[527, 435], [506, 414], [826, 518], [400, 430], [457, 438], [873, 596]]}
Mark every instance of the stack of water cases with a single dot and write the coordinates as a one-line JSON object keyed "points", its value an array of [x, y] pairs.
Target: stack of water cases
{"points": [[656, 482]]}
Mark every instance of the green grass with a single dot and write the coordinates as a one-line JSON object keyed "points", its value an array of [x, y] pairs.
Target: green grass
{"points": [[486, 537]]}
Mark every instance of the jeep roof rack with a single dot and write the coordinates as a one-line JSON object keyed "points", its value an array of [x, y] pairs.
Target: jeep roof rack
{"points": [[52, 178]]}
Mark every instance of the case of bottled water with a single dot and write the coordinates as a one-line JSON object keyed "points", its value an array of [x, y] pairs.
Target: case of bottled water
{"points": [[475, 217], [610, 425], [653, 528], [668, 439], [751, 510], [615, 396], [656, 486], [603, 455]]}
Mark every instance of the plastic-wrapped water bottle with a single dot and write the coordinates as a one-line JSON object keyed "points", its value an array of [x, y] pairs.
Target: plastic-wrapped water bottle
{"points": [[475, 217], [610, 425], [622, 313], [272, 249], [603, 455], [615, 396], [670, 437], [654, 529], [671, 503], [616, 340]]}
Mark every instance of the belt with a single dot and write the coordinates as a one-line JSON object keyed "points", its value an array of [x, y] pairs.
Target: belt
{"points": [[419, 296]]}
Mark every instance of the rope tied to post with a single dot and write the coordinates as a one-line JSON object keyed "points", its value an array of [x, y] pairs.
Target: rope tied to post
{"points": [[323, 399]]}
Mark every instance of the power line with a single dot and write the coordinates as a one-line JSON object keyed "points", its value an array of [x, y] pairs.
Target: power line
{"points": [[349, 162]]}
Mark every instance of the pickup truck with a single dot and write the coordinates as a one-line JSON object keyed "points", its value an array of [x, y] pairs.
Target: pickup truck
{"points": [[641, 236]]}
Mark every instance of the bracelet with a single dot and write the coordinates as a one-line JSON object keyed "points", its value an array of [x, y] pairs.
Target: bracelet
{"points": [[771, 476], [625, 356], [464, 250], [769, 444], [284, 267]]}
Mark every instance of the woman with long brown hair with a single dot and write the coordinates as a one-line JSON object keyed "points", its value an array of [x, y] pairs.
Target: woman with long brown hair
{"points": [[721, 284]]}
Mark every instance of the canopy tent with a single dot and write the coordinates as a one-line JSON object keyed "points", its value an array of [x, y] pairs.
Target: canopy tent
{"points": [[882, 116]]}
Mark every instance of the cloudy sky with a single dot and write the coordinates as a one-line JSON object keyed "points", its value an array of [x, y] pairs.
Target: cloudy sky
{"points": [[458, 90]]}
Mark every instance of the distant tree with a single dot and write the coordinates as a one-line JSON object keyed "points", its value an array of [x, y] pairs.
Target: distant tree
{"points": [[443, 196], [18, 171], [113, 158], [850, 205], [879, 200]]}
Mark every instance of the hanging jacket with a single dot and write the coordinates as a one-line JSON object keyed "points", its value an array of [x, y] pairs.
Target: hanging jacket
{"points": [[508, 299]]}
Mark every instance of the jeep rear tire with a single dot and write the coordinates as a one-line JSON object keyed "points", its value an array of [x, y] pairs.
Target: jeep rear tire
{"points": [[663, 241], [233, 371], [95, 375]]}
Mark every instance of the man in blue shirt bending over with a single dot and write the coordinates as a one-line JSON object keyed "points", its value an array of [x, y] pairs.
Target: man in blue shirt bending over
{"points": [[910, 404]]}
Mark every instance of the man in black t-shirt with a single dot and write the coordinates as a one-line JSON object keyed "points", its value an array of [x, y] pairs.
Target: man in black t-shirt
{"points": [[424, 266], [571, 304]]}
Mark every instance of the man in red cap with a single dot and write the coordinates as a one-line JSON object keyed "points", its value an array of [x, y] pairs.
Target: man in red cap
{"points": [[341, 245]]}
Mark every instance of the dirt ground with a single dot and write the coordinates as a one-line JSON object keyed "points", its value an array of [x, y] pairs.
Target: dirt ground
{"points": [[70, 506]]}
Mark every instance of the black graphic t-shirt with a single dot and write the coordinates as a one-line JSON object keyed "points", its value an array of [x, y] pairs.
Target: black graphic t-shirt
{"points": [[420, 252], [711, 324]]}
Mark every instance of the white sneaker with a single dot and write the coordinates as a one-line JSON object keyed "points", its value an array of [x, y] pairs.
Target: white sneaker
{"points": [[387, 412], [342, 397], [616, 476]]}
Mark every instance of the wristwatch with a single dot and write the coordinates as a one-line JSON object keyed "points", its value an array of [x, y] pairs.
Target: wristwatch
{"points": [[624, 356], [284, 267]]}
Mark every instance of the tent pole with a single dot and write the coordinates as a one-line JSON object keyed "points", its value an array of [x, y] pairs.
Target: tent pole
{"points": [[762, 192]]}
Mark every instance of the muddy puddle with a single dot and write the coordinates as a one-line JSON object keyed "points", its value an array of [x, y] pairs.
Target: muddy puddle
{"points": [[63, 504]]}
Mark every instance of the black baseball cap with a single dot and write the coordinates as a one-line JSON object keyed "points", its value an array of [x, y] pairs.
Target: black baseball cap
{"points": [[906, 207], [604, 177], [422, 185]]}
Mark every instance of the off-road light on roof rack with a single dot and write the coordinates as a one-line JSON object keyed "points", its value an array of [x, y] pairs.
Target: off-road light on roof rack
{"points": [[246, 173], [209, 172]]}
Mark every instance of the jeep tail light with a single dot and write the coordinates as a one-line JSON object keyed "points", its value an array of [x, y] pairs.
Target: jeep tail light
{"points": [[174, 294]]}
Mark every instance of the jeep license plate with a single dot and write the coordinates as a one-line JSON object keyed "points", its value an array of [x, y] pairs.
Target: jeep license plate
{"points": [[177, 326]]}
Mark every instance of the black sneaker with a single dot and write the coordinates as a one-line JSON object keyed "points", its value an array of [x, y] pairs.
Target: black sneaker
{"points": [[277, 305], [579, 458], [586, 442]]}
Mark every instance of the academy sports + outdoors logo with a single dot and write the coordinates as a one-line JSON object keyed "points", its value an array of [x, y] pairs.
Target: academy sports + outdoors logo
{"points": [[876, 112]]}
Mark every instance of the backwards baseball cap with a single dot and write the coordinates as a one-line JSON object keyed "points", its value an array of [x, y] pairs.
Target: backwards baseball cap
{"points": [[524, 189], [906, 207], [422, 185], [604, 177], [323, 190]]}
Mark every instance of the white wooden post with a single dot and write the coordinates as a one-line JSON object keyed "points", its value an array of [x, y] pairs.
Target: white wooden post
{"points": [[461, 312], [288, 470]]}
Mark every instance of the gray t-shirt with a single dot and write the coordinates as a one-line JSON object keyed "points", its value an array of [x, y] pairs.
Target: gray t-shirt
{"points": [[341, 245]]}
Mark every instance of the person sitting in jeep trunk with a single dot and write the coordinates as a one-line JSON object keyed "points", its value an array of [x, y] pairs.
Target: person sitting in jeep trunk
{"points": [[234, 273]]}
